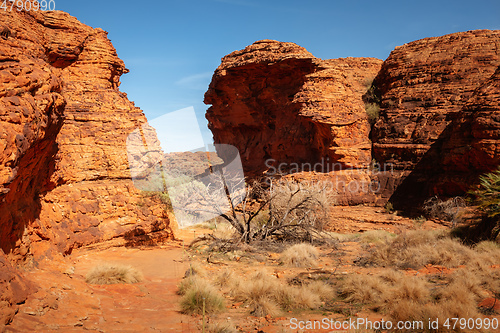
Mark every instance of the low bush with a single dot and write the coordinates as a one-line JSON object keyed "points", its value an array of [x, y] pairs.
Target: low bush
{"points": [[373, 112], [487, 197], [488, 194], [451, 210]]}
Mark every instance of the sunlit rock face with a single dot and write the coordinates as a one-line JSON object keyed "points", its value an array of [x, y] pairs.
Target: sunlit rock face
{"points": [[281, 106], [277, 103], [64, 172]]}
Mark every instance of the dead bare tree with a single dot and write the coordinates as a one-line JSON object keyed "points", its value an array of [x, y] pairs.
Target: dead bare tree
{"points": [[293, 210]]}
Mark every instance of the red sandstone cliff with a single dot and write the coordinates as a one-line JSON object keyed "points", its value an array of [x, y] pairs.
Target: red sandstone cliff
{"points": [[422, 87], [471, 144], [276, 101], [64, 174], [423, 83]]}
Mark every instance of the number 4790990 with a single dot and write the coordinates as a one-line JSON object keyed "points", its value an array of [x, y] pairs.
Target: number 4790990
{"points": [[28, 5]]}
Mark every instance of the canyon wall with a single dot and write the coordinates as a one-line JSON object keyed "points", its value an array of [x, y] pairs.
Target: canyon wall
{"points": [[471, 144], [422, 88], [64, 173], [277, 102], [286, 110]]}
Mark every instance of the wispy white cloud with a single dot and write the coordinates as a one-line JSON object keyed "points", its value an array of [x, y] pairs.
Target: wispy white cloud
{"points": [[198, 81]]}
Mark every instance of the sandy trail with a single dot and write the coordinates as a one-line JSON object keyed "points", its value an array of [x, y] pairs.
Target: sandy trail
{"points": [[65, 303]]}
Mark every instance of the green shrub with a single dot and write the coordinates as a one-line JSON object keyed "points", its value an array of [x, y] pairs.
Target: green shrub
{"points": [[487, 197], [373, 112], [488, 194]]}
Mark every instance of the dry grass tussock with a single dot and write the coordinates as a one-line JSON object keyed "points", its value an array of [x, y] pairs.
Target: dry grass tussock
{"points": [[227, 280], [300, 255], [375, 236], [380, 291], [415, 297], [195, 269], [487, 247], [195, 291], [113, 273], [267, 294], [219, 327], [415, 249]]}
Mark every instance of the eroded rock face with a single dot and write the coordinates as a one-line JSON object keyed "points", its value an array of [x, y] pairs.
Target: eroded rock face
{"points": [[278, 104], [13, 291], [471, 144], [422, 85], [64, 171]]}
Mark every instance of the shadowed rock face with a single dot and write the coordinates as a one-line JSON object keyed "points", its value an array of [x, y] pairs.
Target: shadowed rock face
{"points": [[277, 104], [64, 172], [422, 85], [471, 144], [437, 126], [437, 114]]}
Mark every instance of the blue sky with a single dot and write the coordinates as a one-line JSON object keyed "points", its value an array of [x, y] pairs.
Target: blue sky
{"points": [[173, 47]]}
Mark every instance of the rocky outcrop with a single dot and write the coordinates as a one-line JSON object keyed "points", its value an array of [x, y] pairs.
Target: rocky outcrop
{"points": [[64, 173], [13, 291], [471, 144], [422, 85], [279, 105]]}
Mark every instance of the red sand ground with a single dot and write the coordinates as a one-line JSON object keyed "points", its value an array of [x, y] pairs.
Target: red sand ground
{"points": [[66, 303]]}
